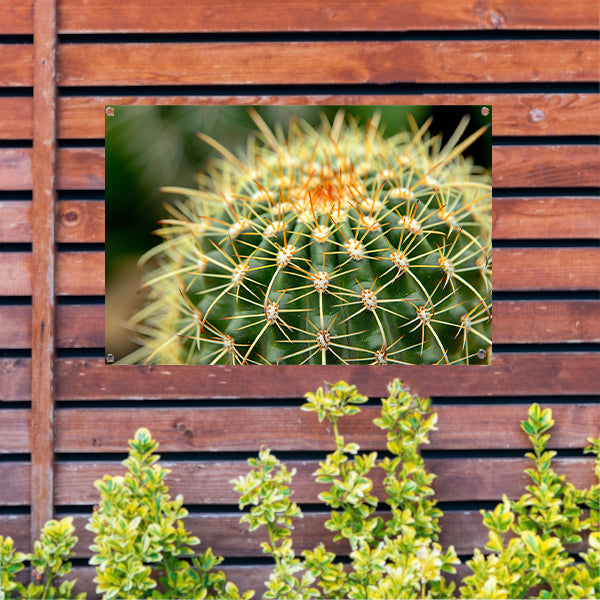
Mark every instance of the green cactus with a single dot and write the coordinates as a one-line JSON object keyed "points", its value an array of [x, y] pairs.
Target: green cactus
{"points": [[325, 246]]}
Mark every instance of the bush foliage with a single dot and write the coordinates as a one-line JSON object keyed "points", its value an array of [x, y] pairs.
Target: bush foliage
{"points": [[142, 549]]}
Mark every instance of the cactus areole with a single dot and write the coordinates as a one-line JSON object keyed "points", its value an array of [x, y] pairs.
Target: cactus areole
{"points": [[335, 245]]}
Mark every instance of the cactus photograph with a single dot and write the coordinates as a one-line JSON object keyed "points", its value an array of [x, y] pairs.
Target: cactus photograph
{"points": [[319, 236]]}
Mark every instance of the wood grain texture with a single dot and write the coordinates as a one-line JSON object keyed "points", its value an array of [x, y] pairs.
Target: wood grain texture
{"points": [[77, 274], [76, 221], [77, 326], [546, 166], [515, 322], [76, 16], [525, 218], [271, 63], [223, 532], [491, 427], [43, 266], [512, 114], [15, 169], [518, 374], [514, 166], [15, 433], [528, 269], [515, 269], [16, 65], [16, 120], [545, 218], [208, 482], [543, 322]]}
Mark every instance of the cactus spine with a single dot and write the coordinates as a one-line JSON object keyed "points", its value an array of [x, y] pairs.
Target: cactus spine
{"points": [[325, 246]]}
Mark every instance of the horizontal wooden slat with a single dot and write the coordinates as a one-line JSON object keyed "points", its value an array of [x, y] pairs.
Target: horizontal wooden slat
{"points": [[527, 269], [209, 482], [519, 374], [545, 218], [78, 274], [546, 166], [80, 169], [16, 488], [515, 322], [15, 169], [515, 269], [290, 429], [77, 326], [76, 221], [512, 114], [514, 166], [226, 63], [14, 433], [513, 218], [74, 16], [16, 65], [229, 538], [543, 322], [17, 118], [80, 221]]}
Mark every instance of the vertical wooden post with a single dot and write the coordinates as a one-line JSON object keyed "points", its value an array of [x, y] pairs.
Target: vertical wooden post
{"points": [[43, 300]]}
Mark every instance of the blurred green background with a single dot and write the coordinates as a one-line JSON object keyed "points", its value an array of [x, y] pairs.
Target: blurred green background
{"points": [[148, 147]]}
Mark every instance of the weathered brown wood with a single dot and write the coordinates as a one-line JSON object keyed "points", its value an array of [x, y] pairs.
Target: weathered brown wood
{"points": [[80, 169], [458, 479], [546, 269], [246, 577], [17, 117], [77, 326], [16, 65], [296, 15], [16, 16], [515, 322], [229, 538], [512, 114], [77, 274], [539, 322], [196, 16], [15, 434], [16, 221], [513, 218], [517, 374], [217, 63], [15, 169], [514, 166], [43, 266], [514, 269], [541, 374], [16, 484], [546, 166], [490, 427], [76, 221], [80, 221], [546, 218]]}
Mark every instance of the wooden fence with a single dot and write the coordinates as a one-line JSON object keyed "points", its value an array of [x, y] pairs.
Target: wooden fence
{"points": [[65, 416]]}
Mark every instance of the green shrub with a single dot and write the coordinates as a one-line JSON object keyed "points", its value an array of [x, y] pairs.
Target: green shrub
{"points": [[49, 561], [401, 557], [142, 549]]}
